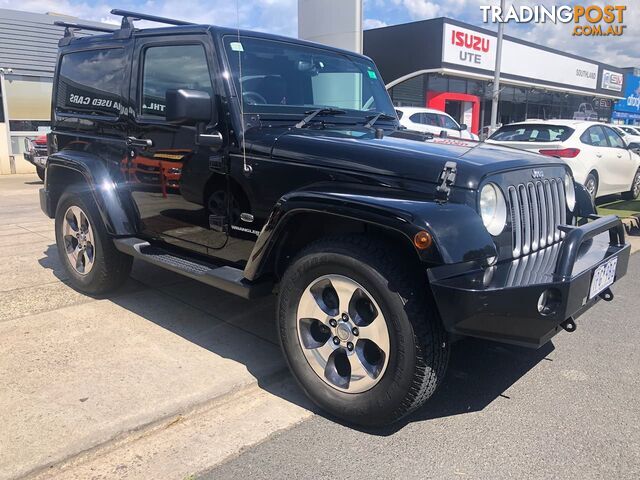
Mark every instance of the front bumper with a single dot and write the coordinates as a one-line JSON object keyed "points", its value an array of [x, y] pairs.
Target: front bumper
{"points": [[37, 159], [501, 302]]}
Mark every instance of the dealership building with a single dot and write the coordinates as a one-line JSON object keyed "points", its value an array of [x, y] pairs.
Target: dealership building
{"points": [[439, 63], [449, 65], [28, 50], [627, 110]]}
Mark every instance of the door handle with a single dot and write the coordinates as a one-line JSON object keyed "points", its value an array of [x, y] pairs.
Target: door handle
{"points": [[619, 155], [139, 142], [599, 155]]}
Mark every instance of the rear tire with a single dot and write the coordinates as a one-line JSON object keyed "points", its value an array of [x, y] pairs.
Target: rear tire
{"points": [[634, 193], [86, 251], [591, 184], [40, 171], [391, 385]]}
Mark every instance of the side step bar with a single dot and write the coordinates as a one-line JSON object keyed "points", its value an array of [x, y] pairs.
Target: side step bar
{"points": [[225, 278]]}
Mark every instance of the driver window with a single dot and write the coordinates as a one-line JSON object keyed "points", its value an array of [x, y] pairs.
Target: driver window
{"points": [[615, 140], [172, 67], [447, 122]]}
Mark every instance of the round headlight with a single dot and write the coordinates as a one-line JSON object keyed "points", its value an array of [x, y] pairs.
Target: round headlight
{"points": [[493, 209], [570, 192]]}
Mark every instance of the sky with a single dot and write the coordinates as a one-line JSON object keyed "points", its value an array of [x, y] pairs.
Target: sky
{"points": [[280, 17]]}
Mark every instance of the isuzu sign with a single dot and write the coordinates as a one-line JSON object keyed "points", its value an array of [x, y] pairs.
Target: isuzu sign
{"points": [[474, 49]]}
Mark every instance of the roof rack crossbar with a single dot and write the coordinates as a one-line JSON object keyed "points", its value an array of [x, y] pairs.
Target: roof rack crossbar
{"points": [[152, 18], [69, 27]]}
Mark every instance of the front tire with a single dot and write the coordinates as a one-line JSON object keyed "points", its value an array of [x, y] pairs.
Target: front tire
{"points": [[92, 262], [40, 172], [634, 193], [397, 355]]}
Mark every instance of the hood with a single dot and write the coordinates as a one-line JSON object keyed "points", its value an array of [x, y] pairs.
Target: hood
{"points": [[399, 154]]}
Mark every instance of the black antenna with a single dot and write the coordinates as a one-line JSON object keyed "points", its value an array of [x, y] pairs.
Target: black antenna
{"points": [[129, 16]]}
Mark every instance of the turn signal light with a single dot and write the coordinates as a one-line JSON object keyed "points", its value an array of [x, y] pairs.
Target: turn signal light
{"points": [[564, 153], [422, 240]]}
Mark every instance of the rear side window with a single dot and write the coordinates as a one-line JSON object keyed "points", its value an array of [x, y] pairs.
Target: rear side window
{"points": [[172, 67], [91, 81], [532, 133], [594, 136]]}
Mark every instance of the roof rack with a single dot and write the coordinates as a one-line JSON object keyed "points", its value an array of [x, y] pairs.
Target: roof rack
{"points": [[128, 17], [70, 27]]}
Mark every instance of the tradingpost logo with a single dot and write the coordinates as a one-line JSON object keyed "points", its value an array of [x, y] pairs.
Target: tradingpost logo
{"points": [[587, 20]]}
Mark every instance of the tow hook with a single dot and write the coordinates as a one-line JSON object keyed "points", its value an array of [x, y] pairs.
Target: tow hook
{"points": [[569, 325], [607, 295]]}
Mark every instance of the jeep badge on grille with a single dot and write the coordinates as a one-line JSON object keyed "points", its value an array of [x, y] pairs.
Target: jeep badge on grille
{"points": [[537, 173]]}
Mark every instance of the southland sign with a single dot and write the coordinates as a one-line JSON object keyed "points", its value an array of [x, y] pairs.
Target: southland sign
{"points": [[462, 46]]}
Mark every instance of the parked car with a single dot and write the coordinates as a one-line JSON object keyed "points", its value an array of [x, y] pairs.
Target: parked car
{"points": [[36, 152], [428, 120], [629, 129], [629, 135], [598, 156], [383, 245]]}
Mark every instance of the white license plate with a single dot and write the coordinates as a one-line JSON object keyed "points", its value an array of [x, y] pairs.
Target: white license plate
{"points": [[604, 276], [42, 161]]}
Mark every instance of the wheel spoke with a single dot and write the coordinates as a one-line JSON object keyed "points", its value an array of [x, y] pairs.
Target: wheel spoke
{"points": [[321, 356], [345, 291], [358, 371], [377, 332], [310, 307]]}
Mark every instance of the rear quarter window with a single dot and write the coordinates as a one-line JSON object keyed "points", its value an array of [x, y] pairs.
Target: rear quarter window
{"points": [[532, 133], [91, 82]]}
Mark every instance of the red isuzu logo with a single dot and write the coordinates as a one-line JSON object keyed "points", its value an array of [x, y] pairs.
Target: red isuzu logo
{"points": [[475, 46], [473, 42]]}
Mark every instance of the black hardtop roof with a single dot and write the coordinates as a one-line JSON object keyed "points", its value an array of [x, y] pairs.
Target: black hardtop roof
{"points": [[217, 31]]}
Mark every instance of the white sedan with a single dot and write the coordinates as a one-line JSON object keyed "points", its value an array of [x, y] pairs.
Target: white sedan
{"points": [[629, 134], [428, 120], [598, 156]]}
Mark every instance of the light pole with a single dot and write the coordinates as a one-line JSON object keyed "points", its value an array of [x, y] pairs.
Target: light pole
{"points": [[5, 109], [495, 97]]}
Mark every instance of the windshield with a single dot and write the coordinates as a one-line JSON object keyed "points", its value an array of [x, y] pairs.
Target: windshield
{"points": [[281, 77], [532, 133]]}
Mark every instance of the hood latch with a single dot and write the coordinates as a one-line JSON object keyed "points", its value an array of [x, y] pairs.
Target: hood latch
{"points": [[447, 178]]}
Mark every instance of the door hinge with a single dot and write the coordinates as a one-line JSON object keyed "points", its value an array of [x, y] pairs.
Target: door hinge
{"points": [[216, 163], [447, 178], [219, 223]]}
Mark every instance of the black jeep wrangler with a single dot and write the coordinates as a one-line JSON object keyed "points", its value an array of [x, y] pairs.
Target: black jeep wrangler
{"points": [[260, 164]]}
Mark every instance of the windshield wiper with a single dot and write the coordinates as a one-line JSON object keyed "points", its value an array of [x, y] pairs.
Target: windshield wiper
{"points": [[311, 114], [377, 116]]}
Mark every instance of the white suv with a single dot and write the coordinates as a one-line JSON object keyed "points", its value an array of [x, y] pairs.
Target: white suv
{"points": [[598, 156], [433, 121]]}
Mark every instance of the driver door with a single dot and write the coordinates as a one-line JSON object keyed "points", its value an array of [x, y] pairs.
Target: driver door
{"points": [[167, 173]]}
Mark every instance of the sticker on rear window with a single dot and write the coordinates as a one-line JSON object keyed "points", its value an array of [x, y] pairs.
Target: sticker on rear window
{"points": [[372, 74], [236, 47]]}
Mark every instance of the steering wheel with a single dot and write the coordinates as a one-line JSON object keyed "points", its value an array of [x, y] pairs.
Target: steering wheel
{"points": [[254, 98]]}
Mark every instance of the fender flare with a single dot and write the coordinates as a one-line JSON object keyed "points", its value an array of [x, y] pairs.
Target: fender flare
{"points": [[115, 206], [457, 230], [584, 202]]}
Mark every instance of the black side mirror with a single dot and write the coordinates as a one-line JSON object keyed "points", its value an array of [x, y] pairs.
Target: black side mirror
{"points": [[188, 106], [463, 127], [635, 146]]}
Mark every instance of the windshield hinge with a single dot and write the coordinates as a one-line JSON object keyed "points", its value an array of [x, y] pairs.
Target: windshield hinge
{"points": [[447, 178]]}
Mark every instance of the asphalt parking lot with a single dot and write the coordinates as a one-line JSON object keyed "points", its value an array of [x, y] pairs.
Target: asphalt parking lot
{"points": [[168, 378]]}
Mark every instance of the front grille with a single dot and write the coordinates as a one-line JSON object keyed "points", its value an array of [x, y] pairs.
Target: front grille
{"points": [[537, 208]]}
